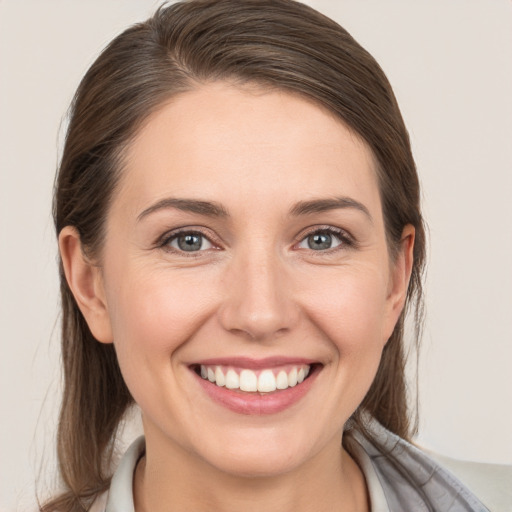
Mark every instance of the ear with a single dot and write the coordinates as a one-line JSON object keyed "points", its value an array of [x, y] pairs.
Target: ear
{"points": [[86, 283], [400, 274]]}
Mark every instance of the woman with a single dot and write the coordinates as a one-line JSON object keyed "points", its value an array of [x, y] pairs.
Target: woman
{"points": [[240, 232]]}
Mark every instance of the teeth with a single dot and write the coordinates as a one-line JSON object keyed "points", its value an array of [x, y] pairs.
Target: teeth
{"points": [[282, 380], [266, 381], [232, 380], [292, 378], [247, 380], [219, 377]]}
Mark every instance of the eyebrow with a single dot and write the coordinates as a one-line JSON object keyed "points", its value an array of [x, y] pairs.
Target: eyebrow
{"points": [[323, 205], [213, 209], [210, 209]]}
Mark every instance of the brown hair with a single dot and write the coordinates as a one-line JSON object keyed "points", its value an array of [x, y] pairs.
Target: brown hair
{"points": [[275, 43]]}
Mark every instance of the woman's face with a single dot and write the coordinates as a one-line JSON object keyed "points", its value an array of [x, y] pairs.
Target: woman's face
{"points": [[246, 244]]}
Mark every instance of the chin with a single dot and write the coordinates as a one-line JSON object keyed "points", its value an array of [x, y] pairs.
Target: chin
{"points": [[258, 465], [260, 455]]}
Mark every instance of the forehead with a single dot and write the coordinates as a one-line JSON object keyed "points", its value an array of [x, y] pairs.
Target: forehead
{"points": [[249, 141]]}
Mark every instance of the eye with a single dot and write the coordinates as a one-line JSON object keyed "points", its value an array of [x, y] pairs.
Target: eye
{"points": [[323, 240], [188, 242]]}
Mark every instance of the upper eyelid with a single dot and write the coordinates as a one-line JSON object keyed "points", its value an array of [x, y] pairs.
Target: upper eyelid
{"points": [[348, 241], [215, 240], [171, 234], [330, 229]]}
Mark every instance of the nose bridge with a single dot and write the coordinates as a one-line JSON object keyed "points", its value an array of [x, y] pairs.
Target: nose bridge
{"points": [[258, 300]]}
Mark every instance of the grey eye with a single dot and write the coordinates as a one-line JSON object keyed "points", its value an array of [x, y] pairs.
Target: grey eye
{"points": [[320, 241], [190, 242]]}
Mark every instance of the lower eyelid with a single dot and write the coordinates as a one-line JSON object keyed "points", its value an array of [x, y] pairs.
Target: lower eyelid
{"points": [[168, 238], [165, 241], [205, 241], [342, 237]]}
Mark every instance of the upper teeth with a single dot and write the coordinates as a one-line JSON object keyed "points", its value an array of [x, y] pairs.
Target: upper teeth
{"points": [[264, 381]]}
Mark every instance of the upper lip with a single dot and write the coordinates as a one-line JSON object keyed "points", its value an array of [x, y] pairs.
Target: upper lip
{"points": [[255, 364]]}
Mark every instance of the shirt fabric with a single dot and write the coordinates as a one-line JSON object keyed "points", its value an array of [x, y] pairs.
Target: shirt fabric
{"points": [[399, 477]]}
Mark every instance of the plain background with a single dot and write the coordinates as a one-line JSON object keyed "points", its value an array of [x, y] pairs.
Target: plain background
{"points": [[451, 67]]}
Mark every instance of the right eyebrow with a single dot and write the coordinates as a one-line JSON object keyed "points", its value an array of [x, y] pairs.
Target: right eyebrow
{"points": [[207, 208]]}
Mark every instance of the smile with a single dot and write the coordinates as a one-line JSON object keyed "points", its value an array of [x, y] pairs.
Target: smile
{"points": [[264, 381], [250, 387]]}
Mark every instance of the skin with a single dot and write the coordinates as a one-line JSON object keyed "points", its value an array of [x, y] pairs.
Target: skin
{"points": [[256, 289]]}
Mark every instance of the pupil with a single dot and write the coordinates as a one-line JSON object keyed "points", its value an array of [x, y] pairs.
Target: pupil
{"points": [[190, 242], [319, 241]]}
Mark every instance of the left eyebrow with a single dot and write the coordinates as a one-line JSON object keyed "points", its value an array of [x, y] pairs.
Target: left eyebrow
{"points": [[323, 205]]}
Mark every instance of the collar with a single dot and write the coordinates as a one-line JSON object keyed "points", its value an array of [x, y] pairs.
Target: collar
{"points": [[399, 476]]}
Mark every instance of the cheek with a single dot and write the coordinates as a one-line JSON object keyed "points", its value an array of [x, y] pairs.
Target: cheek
{"points": [[152, 316], [157, 306], [350, 308]]}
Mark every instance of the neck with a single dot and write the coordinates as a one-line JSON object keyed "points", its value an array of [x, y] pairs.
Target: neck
{"points": [[169, 479]]}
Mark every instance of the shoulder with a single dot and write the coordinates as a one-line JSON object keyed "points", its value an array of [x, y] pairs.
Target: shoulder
{"points": [[492, 483], [119, 498], [100, 503], [412, 479]]}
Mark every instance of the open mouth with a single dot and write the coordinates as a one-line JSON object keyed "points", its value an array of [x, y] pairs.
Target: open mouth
{"points": [[256, 387], [264, 380]]}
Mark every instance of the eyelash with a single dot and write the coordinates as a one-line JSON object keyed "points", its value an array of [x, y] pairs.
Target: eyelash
{"points": [[346, 240], [167, 238]]}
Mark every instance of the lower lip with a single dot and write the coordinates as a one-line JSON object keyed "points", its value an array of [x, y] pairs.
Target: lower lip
{"points": [[255, 403]]}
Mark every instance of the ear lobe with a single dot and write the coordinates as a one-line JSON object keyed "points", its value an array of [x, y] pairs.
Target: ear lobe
{"points": [[86, 283], [400, 276]]}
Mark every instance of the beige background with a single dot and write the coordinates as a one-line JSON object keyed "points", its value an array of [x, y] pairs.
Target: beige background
{"points": [[451, 66]]}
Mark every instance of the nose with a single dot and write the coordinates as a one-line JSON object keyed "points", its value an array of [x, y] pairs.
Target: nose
{"points": [[258, 303]]}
